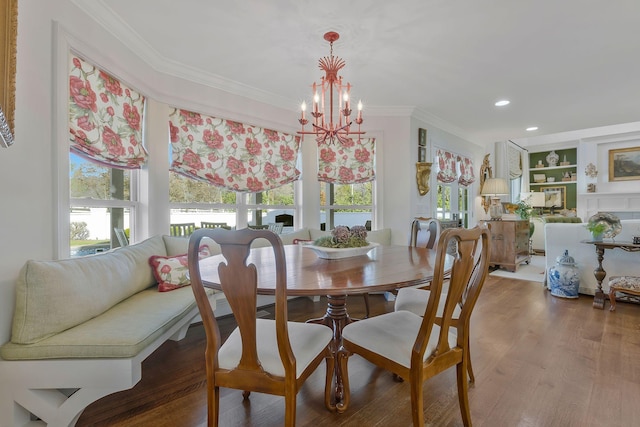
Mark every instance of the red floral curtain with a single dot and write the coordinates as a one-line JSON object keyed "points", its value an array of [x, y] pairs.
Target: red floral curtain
{"points": [[467, 176], [105, 117], [446, 166], [230, 154], [349, 163]]}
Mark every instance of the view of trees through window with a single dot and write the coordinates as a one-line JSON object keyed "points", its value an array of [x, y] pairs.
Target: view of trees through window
{"points": [[100, 201], [346, 204]]}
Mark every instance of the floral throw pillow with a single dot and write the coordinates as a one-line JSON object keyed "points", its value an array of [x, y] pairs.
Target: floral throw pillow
{"points": [[171, 272]]}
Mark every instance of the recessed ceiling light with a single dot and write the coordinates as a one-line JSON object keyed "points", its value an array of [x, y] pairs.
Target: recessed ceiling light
{"points": [[532, 128], [502, 103]]}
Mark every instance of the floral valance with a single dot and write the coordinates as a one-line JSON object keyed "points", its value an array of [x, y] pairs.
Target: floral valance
{"points": [[446, 166], [230, 154], [467, 176], [105, 117], [452, 167], [349, 163]]}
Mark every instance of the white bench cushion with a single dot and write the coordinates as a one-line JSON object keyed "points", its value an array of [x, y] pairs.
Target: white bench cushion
{"points": [[52, 296], [123, 331]]}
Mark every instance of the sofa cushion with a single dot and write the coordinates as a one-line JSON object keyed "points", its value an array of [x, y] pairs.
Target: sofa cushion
{"points": [[123, 331], [180, 245], [171, 272], [52, 296], [382, 236]]}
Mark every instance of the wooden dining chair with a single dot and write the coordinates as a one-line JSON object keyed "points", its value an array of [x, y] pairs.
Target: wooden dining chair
{"points": [[182, 230], [262, 355], [276, 227], [423, 233], [205, 224], [415, 347]]}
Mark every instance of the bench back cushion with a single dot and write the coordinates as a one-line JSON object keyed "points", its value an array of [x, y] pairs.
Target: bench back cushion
{"points": [[52, 296]]}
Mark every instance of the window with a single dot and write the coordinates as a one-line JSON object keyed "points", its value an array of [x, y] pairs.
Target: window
{"points": [[192, 201], [346, 204], [105, 124], [100, 200]]}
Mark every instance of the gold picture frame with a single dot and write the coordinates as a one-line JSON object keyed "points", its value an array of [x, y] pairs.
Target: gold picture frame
{"points": [[8, 38], [624, 164]]}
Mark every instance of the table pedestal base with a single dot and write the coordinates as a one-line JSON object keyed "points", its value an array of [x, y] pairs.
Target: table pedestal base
{"points": [[336, 318]]}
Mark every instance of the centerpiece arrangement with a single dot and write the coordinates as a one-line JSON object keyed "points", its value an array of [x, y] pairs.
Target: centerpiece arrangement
{"points": [[343, 242]]}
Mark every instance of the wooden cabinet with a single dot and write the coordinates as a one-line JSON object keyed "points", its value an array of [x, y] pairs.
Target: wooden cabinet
{"points": [[509, 243]]}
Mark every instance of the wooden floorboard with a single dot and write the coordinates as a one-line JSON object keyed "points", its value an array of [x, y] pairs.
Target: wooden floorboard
{"points": [[539, 361]]}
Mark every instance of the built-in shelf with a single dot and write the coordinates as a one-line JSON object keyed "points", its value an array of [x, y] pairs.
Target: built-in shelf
{"points": [[548, 168], [552, 183], [559, 171]]}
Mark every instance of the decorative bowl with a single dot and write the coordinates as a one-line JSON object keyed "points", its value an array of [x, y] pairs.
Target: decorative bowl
{"points": [[339, 253]]}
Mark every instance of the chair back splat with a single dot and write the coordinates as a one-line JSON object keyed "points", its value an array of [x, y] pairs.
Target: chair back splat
{"points": [[263, 355], [416, 348], [424, 232]]}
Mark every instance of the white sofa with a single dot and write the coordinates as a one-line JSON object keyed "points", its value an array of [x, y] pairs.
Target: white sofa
{"points": [[559, 236], [537, 240]]}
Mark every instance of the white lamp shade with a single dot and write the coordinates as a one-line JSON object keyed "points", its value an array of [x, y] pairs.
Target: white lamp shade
{"points": [[495, 187]]}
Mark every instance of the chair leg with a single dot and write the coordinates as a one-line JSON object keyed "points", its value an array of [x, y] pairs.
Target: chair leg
{"points": [[290, 410], [213, 407], [417, 408], [467, 353], [612, 299], [463, 388], [366, 305]]}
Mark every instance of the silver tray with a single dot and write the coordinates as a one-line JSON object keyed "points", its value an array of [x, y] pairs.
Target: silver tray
{"points": [[611, 222]]}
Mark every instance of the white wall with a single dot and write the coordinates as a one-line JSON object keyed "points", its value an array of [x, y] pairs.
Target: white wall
{"points": [[29, 173]]}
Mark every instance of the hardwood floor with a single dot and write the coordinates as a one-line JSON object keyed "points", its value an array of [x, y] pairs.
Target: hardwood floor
{"points": [[538, 360]]}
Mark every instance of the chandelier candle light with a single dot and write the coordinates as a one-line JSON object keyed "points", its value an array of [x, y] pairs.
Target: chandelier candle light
{"points": [[324, 127]]}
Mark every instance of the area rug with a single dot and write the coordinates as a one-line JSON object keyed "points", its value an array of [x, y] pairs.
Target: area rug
{"points": [[534, 271]]}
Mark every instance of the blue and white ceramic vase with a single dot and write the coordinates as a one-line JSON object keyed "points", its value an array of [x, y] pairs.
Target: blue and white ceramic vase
{"points": [[564, 277]]}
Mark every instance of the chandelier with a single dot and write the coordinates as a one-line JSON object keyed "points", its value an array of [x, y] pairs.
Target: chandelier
{"points": [[330, 93]]}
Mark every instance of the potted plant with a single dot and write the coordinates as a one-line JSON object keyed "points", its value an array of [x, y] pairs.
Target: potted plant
{"points": [[524, 211], [596, 229]]}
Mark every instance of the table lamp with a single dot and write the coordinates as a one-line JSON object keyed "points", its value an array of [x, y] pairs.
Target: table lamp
{"points": [[494, 187]]}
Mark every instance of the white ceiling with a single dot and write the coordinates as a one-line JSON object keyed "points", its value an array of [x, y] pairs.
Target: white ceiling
{"points": [[564, 64]]}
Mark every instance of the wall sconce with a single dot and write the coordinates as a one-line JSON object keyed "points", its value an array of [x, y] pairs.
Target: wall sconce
{"points": [[492, 188], [423, 171]]}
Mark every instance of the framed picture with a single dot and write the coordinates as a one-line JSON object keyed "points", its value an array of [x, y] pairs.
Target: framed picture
{"points": [[422, 137], [624, 164], [422, 154], [555, 197]]}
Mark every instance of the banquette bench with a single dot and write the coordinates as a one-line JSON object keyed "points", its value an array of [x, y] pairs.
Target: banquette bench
{"points": [[82, 326]]}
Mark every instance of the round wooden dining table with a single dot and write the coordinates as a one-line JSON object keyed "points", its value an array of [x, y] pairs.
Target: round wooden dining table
{"points": [[384, 268]]}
